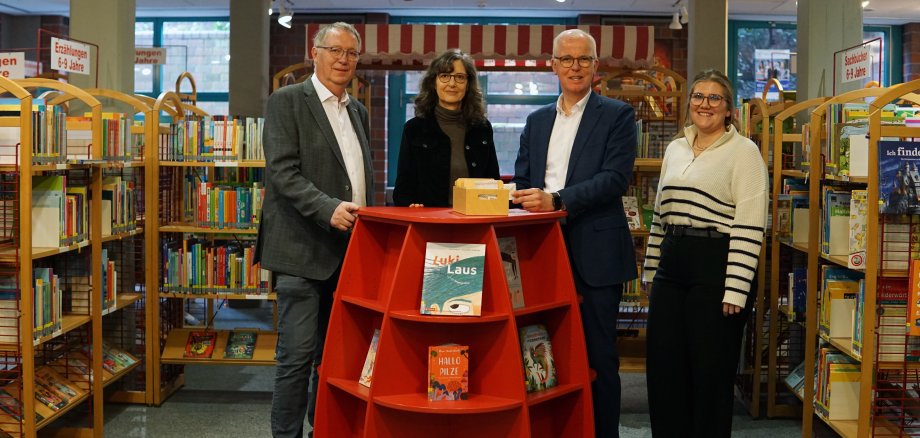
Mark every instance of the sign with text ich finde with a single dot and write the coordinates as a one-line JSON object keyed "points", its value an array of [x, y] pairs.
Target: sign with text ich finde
{"points": [[857, 64], [70, 56], [12, 65], [150, 55]]}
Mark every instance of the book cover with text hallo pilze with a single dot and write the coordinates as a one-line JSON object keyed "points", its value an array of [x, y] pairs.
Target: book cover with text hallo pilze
{"points": [[452, 279], [448, 372]]}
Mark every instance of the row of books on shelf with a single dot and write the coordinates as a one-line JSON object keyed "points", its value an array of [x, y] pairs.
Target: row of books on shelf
{"points": [[60, 383], [58, 138], [653, 137], [214, 139], [53, 296], [224, 204], [192, 266], [843, 229], [836, 384], [448, 365], [119, 141], [241, 344], [49, 133], [847, 150], [60, 212]]}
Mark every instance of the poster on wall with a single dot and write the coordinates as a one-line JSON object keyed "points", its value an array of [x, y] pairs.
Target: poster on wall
{"points": [[769, 64]]}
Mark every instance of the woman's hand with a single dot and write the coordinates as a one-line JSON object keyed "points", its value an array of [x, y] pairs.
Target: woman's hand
{"points": [[730, 309]]}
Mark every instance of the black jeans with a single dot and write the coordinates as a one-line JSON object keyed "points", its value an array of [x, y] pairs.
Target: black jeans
{"points": [[692, 349]]}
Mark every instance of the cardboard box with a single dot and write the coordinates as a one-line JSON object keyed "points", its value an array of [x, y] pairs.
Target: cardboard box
{"points": [[480, 197]]}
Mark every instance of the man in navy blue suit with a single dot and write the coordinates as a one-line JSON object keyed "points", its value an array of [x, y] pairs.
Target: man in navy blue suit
{"points": [[577, 155]]}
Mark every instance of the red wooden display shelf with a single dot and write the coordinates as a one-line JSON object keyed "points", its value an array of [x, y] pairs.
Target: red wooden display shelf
{"points": [[477, 403], [380, 288]]}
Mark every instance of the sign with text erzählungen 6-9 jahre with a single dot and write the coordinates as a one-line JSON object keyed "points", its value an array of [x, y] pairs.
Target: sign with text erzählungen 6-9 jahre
{"points": [[71, 56]]}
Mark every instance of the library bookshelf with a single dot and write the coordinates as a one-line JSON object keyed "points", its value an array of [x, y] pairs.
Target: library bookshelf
{"points": [[784, 342], [878, 398], [51, 282], [201, 236], [758, 123], [380, 288]]}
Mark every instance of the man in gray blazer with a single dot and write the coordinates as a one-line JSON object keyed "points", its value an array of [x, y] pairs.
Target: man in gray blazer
{"points": [[317, 175]]}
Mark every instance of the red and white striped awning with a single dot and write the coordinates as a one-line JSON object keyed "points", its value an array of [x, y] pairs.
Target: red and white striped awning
{"points": [[629, 46]]}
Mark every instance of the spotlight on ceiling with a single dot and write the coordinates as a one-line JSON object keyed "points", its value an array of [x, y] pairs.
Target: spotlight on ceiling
{"points": [[684, 15], [675, 22], [286, 13]]}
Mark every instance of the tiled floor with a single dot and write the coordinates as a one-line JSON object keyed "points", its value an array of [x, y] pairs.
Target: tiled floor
{"points": [[233, 401]]}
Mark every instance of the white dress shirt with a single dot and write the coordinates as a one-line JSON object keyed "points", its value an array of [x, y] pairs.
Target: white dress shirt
{"points": [[560, 144], [337, 113]]}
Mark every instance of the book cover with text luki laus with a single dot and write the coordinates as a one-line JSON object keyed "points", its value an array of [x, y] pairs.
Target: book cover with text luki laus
{"points": [[448, 372], [452, 279]]}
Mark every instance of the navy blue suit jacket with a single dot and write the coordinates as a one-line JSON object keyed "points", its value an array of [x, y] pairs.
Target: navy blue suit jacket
{"points": [[599, 173]]}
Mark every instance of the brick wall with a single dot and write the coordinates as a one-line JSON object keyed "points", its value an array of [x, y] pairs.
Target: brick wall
{"points": [[675, 41], [911, 51], [58, 25]]}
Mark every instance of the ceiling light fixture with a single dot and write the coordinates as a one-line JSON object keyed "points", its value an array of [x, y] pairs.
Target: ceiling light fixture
{"points": [[286, 11], [865, 3], [560, 1], [270, 9], [675, 22], [684, 15]]}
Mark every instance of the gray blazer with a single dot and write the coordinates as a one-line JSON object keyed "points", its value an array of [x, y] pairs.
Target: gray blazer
{"points": [[305, 180]]}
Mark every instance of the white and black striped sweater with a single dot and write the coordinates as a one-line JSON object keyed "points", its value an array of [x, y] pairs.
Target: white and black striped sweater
{"points": [[724, 188]]}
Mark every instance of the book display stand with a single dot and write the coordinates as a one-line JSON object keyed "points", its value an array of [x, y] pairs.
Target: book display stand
{"points": [[380, 288]]}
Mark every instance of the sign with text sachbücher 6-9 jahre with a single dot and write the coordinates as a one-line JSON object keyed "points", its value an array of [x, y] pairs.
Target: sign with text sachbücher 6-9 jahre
{"points": [[70, 56], [857, 64]]}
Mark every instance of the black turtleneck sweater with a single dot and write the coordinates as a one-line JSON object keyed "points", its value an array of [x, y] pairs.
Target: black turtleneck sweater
{"points": [[451, 122]]}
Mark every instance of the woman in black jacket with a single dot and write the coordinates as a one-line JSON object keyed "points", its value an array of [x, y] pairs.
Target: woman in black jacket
{"points": [[448, 138]]}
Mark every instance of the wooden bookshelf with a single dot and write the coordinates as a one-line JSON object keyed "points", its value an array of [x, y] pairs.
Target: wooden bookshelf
{"points": [[174, 349]]}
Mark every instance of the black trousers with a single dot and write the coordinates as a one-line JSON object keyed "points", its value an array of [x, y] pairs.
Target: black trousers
{"points": [[599, 309], [692, 349]]}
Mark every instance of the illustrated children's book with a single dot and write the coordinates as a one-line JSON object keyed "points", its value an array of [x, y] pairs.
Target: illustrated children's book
{"points": [[367, 372], [507, 246], [448, 372], [452, 279], [200, 344], [633, 215], [240, 344], [899, 177], [115, 359], [539, 366]]}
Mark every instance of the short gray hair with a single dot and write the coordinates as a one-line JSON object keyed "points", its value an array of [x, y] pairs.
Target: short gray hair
{"points": [[320, 37], [574, 33]]}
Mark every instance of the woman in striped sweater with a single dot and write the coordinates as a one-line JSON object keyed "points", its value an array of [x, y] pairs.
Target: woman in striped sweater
{"points": [[702, 255]]}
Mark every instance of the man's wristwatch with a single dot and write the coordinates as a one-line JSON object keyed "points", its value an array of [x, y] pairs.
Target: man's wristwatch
{"points": [[557, 201]]}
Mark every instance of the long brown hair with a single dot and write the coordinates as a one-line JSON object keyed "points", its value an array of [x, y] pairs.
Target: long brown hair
{"points": [[712, 75], [472, 106]]}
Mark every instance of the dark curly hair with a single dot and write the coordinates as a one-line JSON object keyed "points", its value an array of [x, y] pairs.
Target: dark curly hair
{"points": [[473, 105]]}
